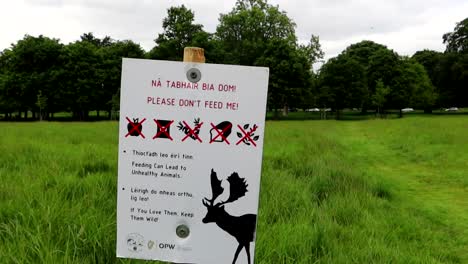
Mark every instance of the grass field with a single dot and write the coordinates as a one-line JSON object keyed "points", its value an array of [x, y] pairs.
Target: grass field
{"points": [[374, 191]]}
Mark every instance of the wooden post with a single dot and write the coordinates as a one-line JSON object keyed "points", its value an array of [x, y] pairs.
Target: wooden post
{"points": [[197, 55], [194, 54]]}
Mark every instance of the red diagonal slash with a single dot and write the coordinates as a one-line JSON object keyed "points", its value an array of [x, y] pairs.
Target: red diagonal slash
{"points": [[135, 127], [163, 129], [220, 133], [192, 131], [247, 135]]}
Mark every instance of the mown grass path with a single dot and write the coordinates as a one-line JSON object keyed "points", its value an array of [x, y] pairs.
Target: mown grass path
{"points": [[375, 191]]}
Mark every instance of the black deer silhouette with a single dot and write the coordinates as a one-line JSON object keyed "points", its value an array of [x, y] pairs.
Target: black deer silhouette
{"points": [[241, 227]]}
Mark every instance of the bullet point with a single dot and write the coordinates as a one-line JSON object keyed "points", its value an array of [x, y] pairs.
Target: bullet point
{"points": [[123, 189], [125, 151]]}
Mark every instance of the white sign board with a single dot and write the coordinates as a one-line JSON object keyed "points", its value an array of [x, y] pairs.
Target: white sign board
{"points": [[190, 155]]}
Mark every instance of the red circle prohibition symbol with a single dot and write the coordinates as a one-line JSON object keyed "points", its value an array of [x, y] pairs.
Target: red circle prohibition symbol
{"points": [[192, 131], [246, 136], [163, 129], [220, 133], [135, 127]]}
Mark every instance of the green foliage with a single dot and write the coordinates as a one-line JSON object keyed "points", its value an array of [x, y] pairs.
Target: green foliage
{"points": [[373, 57], [31, 64], [371, 191], [115, 104], [430, 60], [8, 102], [111, 68], [386, 79], [411, 86], [179, 32], [383, 64], [313, 50], [453, 79], [452, 70], [380, 96], [373, 62], [257, 33], [424, 95], [90, 38], [362, 51], [343, 83], [78, 77], [249, 27], [448, 73], [289, 73], [457, 41], [41, 103], [84, 76]]}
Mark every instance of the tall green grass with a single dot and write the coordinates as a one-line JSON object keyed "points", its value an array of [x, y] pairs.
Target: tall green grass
{"points": [[380, 191], [375, 191]]}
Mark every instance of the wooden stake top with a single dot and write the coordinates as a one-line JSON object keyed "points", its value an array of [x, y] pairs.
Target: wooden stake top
{"points": [[194, 54]]}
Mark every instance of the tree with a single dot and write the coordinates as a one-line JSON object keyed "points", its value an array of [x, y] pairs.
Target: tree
{"points": [[453, 80], [32, 63], [179, 31], [454, 66], [343, 83], [246, 30], [290, 75], [411, 86], [84, 78], [371, 63], [425, 94], [380, 96], [312, 51], [41, 103], [89, 37], [383, 65], [401, 88], [115, 105], [111, 68], [363, 51], [378, 62], [430, 59], [9, 100], [457, 41], [447, 73], [257, 33]]}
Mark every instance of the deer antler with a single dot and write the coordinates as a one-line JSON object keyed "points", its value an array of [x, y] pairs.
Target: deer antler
{"points": [[237, 188], [216, 187]]}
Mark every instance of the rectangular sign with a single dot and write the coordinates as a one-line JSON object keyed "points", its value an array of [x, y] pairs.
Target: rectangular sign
{"points": [[190, 155]]}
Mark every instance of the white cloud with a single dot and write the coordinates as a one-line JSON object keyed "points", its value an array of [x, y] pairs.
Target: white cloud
{"points": [[425, 32], [405, 26]]}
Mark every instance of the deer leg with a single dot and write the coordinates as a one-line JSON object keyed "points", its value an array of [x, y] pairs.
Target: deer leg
{"points": [[237, 253], [247, 249]]}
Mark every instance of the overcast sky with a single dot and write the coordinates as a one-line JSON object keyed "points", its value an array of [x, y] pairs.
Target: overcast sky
{"points": [[403, 25]]}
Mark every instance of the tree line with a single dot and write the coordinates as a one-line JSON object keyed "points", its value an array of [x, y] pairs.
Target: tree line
{"points": [[42, 76]]}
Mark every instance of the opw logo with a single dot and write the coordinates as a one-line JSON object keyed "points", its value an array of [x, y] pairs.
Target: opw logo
{"points": [[166, 246], [152, 245]]}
